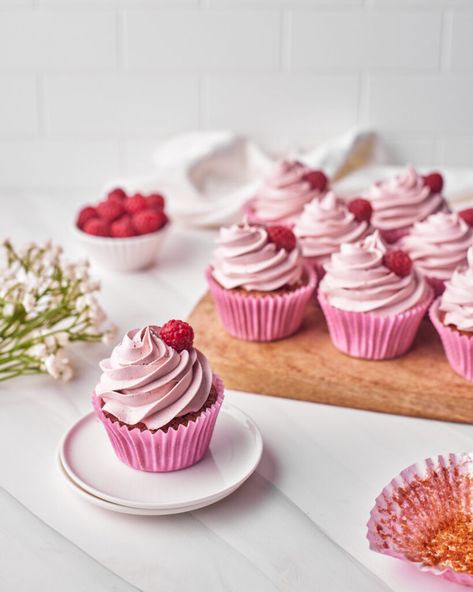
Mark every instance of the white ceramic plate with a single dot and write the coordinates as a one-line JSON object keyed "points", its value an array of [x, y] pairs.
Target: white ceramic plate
{"points": [[88, 459]]}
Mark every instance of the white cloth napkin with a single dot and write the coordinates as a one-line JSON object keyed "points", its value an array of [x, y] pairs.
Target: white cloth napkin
{"points": [[207, 176]]}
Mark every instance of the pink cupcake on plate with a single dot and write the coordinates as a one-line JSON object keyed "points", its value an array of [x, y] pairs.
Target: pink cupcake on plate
{"points": [[284, 193], [158, 398], [328, 222], [437, 246], [452, 316], [373, 300], [259, 282], [403, 200]]}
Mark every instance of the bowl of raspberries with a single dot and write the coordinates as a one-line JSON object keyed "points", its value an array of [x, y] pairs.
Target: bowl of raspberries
{"points": [[123, 232]]}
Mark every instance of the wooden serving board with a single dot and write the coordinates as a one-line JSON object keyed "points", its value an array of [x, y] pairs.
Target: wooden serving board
{"points": [[307, 366]]}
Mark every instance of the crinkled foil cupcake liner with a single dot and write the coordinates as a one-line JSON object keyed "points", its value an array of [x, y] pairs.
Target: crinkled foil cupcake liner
{"points": [[424, 516], [458, 348], [262, 318], [371, 336], [163, 451]]}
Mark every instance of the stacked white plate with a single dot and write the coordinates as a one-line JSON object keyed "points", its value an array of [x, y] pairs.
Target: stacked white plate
{"points": [[90, 467]]}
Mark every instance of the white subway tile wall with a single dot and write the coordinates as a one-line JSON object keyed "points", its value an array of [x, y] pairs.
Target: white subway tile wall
{"points": [[89, 87]]}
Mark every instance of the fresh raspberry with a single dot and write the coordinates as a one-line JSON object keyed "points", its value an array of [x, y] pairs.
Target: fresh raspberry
{"points": [[282, 237], [123, 227], [155, 201], [110, 210], [177, 334], [148, 221], [135, 204], [361, 209], [398, 262], [434, 181], [97, 227], [85, 215], [467, 216], [317, 180], [117, 194]]}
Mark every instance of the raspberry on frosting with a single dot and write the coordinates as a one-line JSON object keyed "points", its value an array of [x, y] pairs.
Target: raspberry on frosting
{"points": [[361, 209], [398, 262], [434, 182], [177, 334], [282, 237]]}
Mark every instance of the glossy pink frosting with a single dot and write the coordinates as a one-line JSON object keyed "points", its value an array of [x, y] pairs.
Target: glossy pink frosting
{"points": [[439, 244], [357, 281], [245, 258], [145, 380], [402, 201], [457, 300], [284, 193], [324, 225]]}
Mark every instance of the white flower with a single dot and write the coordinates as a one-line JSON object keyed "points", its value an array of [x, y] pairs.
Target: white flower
{"points": [[29, 302], [38, 351], [62, 338], [110, 335], [58, 366], [50, 342], [8, 309]]}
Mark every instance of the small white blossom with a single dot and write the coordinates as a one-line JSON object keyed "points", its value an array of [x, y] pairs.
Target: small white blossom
{"points": [[8, 309], [29, 302], [58, 366], [38, 351]]}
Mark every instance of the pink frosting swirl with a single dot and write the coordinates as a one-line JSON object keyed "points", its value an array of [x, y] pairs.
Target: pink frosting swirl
{"points": [[439, 244], [457, 300], [358, 281], [325, 224], [147, 381], [403, 200], [284, 193], [245, 258]]}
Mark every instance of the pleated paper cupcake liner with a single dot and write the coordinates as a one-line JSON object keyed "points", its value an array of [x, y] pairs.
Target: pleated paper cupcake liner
{"points": [[424, 516], [371, 336], [262, 318], [163, 451], [437, 284], [458, 348]]}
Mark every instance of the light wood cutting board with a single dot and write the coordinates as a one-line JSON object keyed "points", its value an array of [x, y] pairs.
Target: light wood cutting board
{"points": [[308, 367]]}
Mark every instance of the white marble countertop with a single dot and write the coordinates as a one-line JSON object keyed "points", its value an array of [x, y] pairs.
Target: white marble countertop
{"points": [[297, 524]]}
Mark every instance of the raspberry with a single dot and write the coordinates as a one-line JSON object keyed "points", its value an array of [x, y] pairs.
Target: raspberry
{"points": [[361, 209], [123, 227], [148, 221], [282, 237], [398, 262], [434, 181], [117, 194], [110, 210], [317, 180], [177, 334], [467, 216], [97, 227], [85, 215], [155, 201], [135, 204]]}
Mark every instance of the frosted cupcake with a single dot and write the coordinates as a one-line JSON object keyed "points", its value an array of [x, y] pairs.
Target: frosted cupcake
{"points": [[284, 193], [328, 222], [158, 398], [452, 316], [403, 200], [373, 300], [260, 282], [437, 246]]}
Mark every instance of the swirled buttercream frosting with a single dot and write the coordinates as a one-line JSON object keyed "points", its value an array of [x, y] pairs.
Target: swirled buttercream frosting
{"points": [[145, 380], [246, 258], [457, 300], [358, 281]]}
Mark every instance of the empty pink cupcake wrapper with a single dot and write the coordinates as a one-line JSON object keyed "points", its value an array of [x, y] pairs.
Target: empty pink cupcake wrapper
{"points": [[437, 285], [263, 318], [458, 348], [420, 517], [163, 451], [372, 336]]}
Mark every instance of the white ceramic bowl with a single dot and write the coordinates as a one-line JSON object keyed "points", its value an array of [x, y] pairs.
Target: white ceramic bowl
{"points": [[123, 254]]}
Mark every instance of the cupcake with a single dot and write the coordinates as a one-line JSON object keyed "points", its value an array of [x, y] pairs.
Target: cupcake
{"points": [[158, 399], [260, 282], [403, 200], [437, 246], [328, 222], [285, 192], [373, 300], [452, 316]]}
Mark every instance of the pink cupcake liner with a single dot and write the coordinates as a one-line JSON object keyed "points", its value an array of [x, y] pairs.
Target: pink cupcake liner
{"points": [[263, 318], [159, 451], [419, 504], [371, 336], [437, 284], [458, 348]]}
